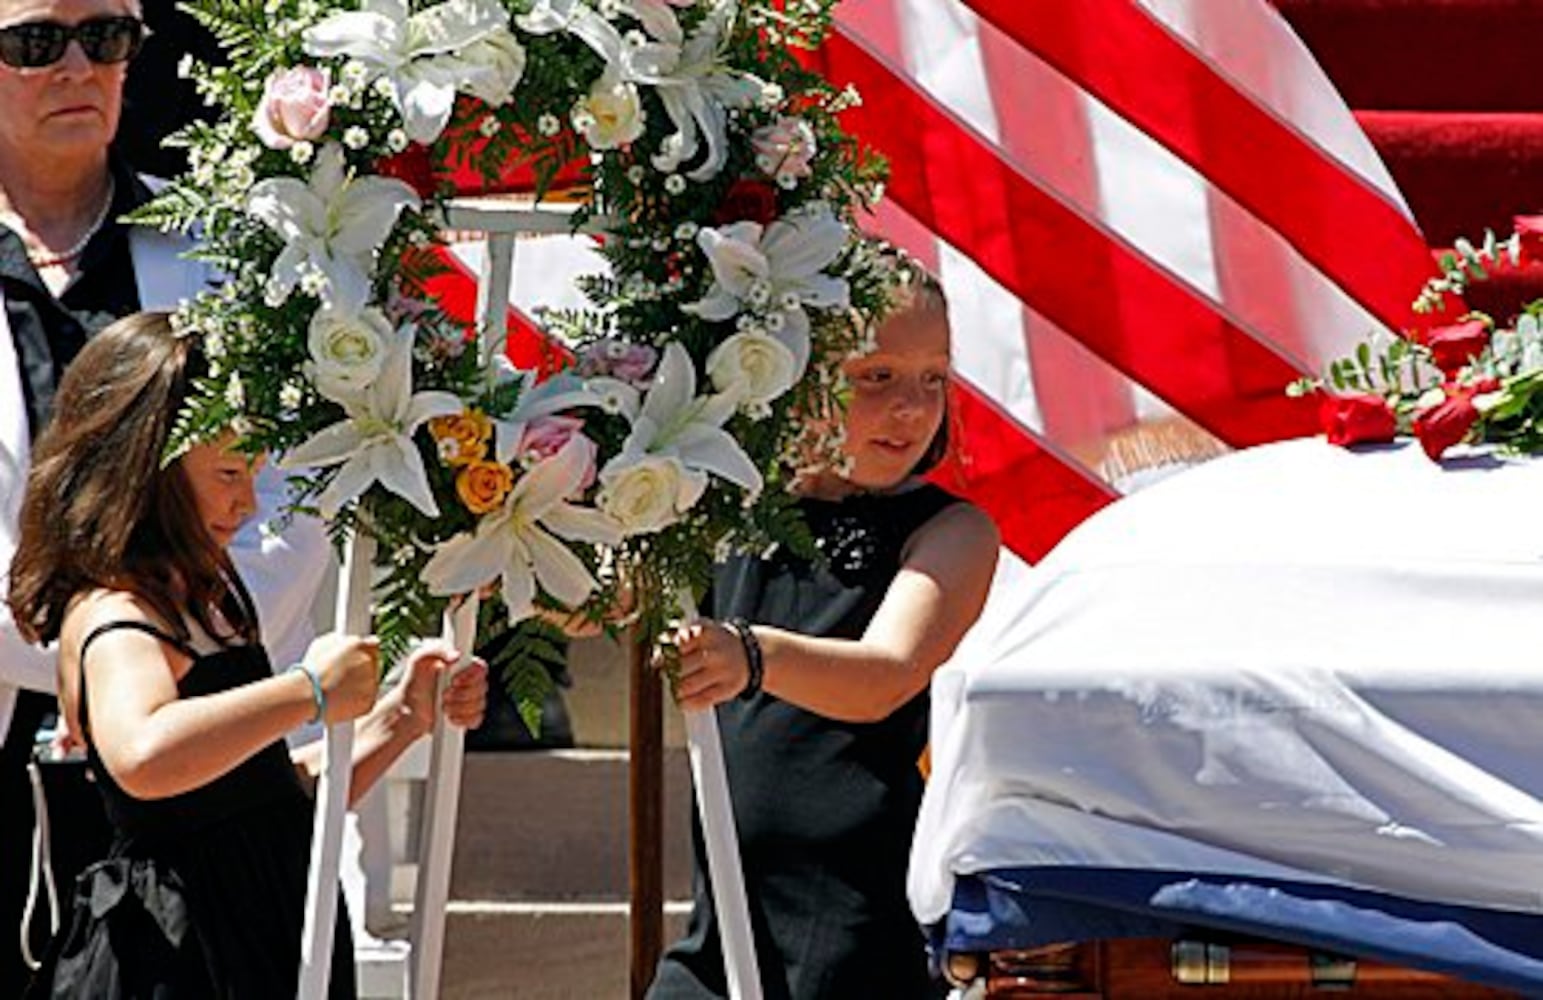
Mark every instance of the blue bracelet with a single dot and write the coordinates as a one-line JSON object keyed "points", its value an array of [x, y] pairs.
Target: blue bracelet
{"points": [[317, 694]]}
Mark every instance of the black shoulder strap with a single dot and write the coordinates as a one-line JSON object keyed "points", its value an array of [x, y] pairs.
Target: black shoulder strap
{"points": [[177, 643]]}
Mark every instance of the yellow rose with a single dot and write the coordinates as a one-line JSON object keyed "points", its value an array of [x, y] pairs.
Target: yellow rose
{"points": [[482, 486], [462, 438]]}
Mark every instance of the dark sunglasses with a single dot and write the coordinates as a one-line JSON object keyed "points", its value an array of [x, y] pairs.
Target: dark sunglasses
{"points": [[104, 40]]}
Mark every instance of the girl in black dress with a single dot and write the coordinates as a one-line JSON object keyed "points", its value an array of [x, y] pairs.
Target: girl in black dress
{"points": [[122, 562], [822, 742]]}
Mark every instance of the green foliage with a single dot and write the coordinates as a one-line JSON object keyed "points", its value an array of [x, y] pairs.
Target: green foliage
{"points": [[524, 657]]}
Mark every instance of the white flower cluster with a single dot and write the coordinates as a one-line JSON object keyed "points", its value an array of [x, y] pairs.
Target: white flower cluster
{"points": [[385, 75]]}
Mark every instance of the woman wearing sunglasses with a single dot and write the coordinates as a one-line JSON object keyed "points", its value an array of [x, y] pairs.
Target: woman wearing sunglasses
{"points": [[68, 267]]}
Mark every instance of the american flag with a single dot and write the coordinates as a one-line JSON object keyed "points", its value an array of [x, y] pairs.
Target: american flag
{"points": [[1150, 216]]}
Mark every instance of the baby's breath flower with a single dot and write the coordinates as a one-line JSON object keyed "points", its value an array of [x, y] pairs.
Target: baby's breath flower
{"points": [[675, 184], [301, 152], [313, 282], [355, 137]]}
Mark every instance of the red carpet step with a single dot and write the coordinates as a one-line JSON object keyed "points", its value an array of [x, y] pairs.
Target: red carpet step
{"points": [[1461, 173], [1451, 94], [1426, 55]]}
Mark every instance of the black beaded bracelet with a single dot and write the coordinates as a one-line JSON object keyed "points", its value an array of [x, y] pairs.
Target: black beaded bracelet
{"points": [[753, 657]]}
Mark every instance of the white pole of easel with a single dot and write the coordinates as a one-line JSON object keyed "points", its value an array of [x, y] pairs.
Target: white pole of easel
{"points": [[710, 779], [321, 894], [442, 808], [503, 221], [442, 798]]}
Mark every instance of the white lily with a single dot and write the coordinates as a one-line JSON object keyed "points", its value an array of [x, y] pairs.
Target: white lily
{"points": [[695, 84], [423, 56], [578, 19], [519, 542], [677, 426], [374, 444], [332, 224], [775, 270]]}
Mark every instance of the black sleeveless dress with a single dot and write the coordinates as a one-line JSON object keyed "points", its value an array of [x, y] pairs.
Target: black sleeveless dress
{"points": [[202, 894], [825, 809]]}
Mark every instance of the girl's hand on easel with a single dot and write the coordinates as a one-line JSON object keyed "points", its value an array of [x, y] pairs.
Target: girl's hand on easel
{"points": [[713, 667], [348, 667], [466, 696]]}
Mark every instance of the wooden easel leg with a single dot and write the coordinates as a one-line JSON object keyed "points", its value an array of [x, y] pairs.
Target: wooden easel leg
{"points": [[645, 789]]}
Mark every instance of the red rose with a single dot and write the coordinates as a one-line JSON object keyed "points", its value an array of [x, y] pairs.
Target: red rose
{"points": [[1530, 229], [1452, 347], [747, 200], [414, 166], [1446, 423], [1359, 419]]}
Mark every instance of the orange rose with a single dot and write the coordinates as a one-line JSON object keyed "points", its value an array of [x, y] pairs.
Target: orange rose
{"points": [[482, 486], [462, 438]]}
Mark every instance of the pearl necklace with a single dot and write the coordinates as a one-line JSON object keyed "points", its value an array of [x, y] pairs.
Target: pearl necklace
{"points": [[45, 258]]}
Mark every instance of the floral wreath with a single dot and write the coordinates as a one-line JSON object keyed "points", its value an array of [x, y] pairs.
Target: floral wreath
{"points": [[1472, 381], [704, 374]]}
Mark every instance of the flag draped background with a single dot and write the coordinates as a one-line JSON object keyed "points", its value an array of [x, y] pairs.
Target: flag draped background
{"points": [[1150, 216]]}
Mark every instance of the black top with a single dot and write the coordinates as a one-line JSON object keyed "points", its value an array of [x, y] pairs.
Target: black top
{"points": [[824, 809], [203, 893], [49, 332]]}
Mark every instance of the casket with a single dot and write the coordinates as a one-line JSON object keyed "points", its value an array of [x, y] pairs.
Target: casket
{"points": [[1269, 727]]}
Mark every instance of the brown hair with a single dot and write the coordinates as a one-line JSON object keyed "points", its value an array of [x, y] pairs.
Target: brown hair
{"points": [[104, 508]]}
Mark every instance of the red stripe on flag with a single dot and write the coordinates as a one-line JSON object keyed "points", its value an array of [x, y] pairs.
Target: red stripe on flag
{"points": [[1079, 398], [1034, 496], [1163, 335], [1130, 62]]}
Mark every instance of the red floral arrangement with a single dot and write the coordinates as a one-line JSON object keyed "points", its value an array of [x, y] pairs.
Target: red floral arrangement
{"points": [[1472, 381]]}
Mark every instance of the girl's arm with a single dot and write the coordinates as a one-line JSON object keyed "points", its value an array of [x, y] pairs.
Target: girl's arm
{"points": [[934, 599], [156, 744], [405, 714]]}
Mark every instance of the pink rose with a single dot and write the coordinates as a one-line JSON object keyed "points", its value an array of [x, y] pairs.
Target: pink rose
{"points": [[546, 436], [785, 148], [632, 363], [295, 107]]}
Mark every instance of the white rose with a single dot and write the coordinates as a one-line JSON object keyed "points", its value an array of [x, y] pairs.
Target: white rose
{"points": [[493, 68], [648, 493], [347, 351], [612, 114], [757, 365]]}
